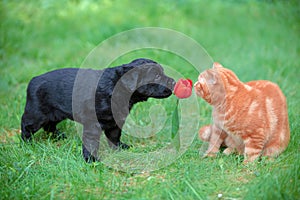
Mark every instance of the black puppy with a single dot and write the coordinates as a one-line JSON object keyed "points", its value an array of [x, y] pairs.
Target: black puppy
{"points": [[98, 99]]}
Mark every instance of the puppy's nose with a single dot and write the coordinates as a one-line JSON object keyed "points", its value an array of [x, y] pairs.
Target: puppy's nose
{"points": [[172, 84]]}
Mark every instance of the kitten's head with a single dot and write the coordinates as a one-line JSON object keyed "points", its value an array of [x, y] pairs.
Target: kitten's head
{"points": [[213, 84]]}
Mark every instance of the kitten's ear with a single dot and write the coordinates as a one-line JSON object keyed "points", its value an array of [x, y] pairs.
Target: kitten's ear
{"points": [[217, 65]]}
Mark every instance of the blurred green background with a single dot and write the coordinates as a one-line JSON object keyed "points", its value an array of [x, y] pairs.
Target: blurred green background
{"points": [[256, 39]]}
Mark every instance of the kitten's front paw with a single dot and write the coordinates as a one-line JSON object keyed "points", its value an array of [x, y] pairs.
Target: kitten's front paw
{"points": [[228, 151], [209, 154]]}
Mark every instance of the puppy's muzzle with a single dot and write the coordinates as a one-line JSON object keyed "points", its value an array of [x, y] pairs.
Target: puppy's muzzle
{"points": [[171, 84]]}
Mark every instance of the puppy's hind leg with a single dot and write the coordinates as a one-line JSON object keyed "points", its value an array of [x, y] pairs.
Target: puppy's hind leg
{"points": [[113, 135]]}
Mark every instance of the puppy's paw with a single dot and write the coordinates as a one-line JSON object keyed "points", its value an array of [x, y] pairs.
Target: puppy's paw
{"points": [[88, 157], [122, 145], [58, 135]]}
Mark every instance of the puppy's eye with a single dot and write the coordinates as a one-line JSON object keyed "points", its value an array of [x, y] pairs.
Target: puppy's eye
{"points": [[157, 76]]}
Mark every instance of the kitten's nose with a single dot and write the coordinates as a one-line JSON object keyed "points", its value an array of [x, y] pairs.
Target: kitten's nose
{"points": [[198, 84], [198, 89]]}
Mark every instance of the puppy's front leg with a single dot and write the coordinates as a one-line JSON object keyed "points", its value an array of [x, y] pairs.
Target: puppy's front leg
{"points": [[114, 135], [91, 139]]}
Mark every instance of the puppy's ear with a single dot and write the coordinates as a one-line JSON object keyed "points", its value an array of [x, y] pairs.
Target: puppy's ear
{"points": [[130, 80]]}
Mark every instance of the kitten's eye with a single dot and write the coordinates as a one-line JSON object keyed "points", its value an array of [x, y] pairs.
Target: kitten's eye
{"points": [[211, 81]]}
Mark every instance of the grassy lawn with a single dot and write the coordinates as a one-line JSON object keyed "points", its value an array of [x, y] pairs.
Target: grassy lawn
{"points": [[256, 39]]}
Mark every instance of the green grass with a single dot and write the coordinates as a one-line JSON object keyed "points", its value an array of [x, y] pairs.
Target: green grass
{"points": [[256, 39]]}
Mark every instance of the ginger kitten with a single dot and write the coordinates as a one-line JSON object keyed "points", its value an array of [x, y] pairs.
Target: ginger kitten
{"points": [[249, 118]]}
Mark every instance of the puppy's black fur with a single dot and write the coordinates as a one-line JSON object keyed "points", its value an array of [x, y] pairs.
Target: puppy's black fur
{"points": [[98, 99]]}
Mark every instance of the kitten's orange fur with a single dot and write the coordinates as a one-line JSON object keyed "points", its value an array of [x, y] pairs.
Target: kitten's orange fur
{"points": [[250, 118]]}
